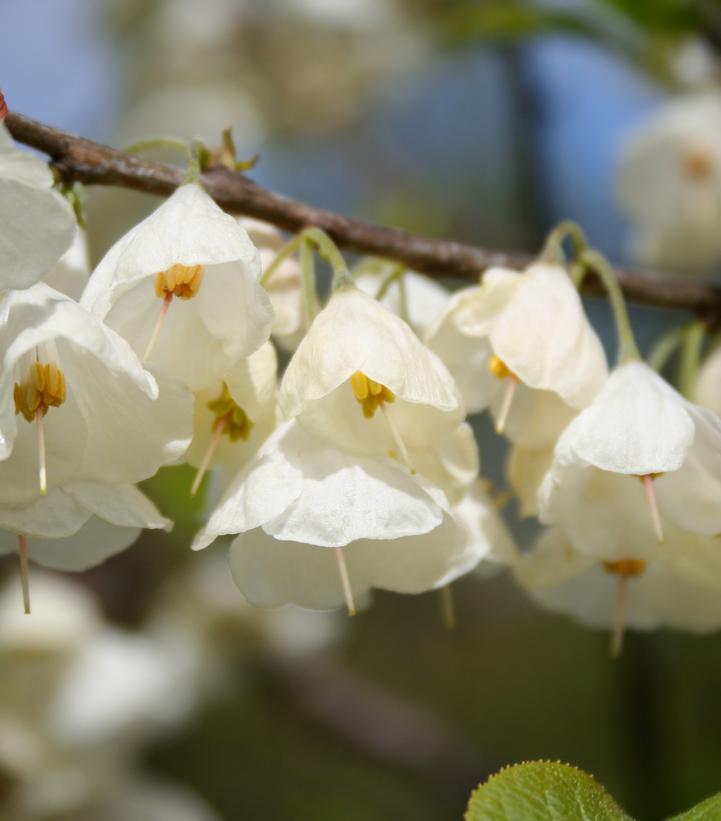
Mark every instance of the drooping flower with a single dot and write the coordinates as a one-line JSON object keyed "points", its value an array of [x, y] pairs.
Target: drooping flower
{"points": [[182, 287], [538, 359], [76, 403], [362, 380], [638, 456], [669, 184], [300, 498], [671, 588], [236, 415], [36, 223]]}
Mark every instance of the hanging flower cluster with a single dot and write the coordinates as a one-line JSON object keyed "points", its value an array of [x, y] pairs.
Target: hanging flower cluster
{"points": [[356, 469]]}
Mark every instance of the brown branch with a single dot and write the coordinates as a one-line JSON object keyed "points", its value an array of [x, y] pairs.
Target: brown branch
{"points": [[79, 160]]}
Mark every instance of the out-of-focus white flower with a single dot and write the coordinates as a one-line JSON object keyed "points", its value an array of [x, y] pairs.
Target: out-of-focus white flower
{"points": [[77, 700], [70, 275], [79, 525], [284, 286], [36, 223], [363, 380], [708, 386], [670, 184], [542, 359], [640, 445], [422, 297], [301, 496], [191, 250], [640, 594], [75, 400], [236, 415]]}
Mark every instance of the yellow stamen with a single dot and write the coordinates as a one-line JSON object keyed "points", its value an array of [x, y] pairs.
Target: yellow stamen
{"points": [[499, 368], [625, 569], [369, 394], [345, 581], [24, 572], [182, 281], [44, 388], [230, 419]]}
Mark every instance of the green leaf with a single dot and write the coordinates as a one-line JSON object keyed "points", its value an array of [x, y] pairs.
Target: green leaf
{"points": [[708, 810], [542, 791]]}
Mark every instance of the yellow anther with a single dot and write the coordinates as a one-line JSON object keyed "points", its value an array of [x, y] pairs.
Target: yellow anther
{"points": [[370, 394], [359, 383], [698, 163], [628, 568], [182, 281], [499, 368], [236, 424], [44, 388]]}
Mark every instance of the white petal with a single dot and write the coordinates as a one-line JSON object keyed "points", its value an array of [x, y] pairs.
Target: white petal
{"points": [[638, 425], [535, 419], [542, 334], [36, 227], [691, 497], [525, 469], [263, 489], [234, 308], [70, 274], [345, 498], [270, 572], [465, 356], [603, 514], [95, 542]]}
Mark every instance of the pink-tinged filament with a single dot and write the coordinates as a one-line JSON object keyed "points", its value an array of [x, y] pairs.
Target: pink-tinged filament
{"points": [[345, 581]]}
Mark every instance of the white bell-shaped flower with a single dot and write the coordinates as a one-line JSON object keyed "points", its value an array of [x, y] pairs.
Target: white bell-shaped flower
{"points": [[284, 286], [182, 287], [643, 595], [235, 416], [638, 457], [537, 359], [363, 380], [418, 297], [37, 224], [76, 403], [669, 184], [78, 525], [299, 497]]}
